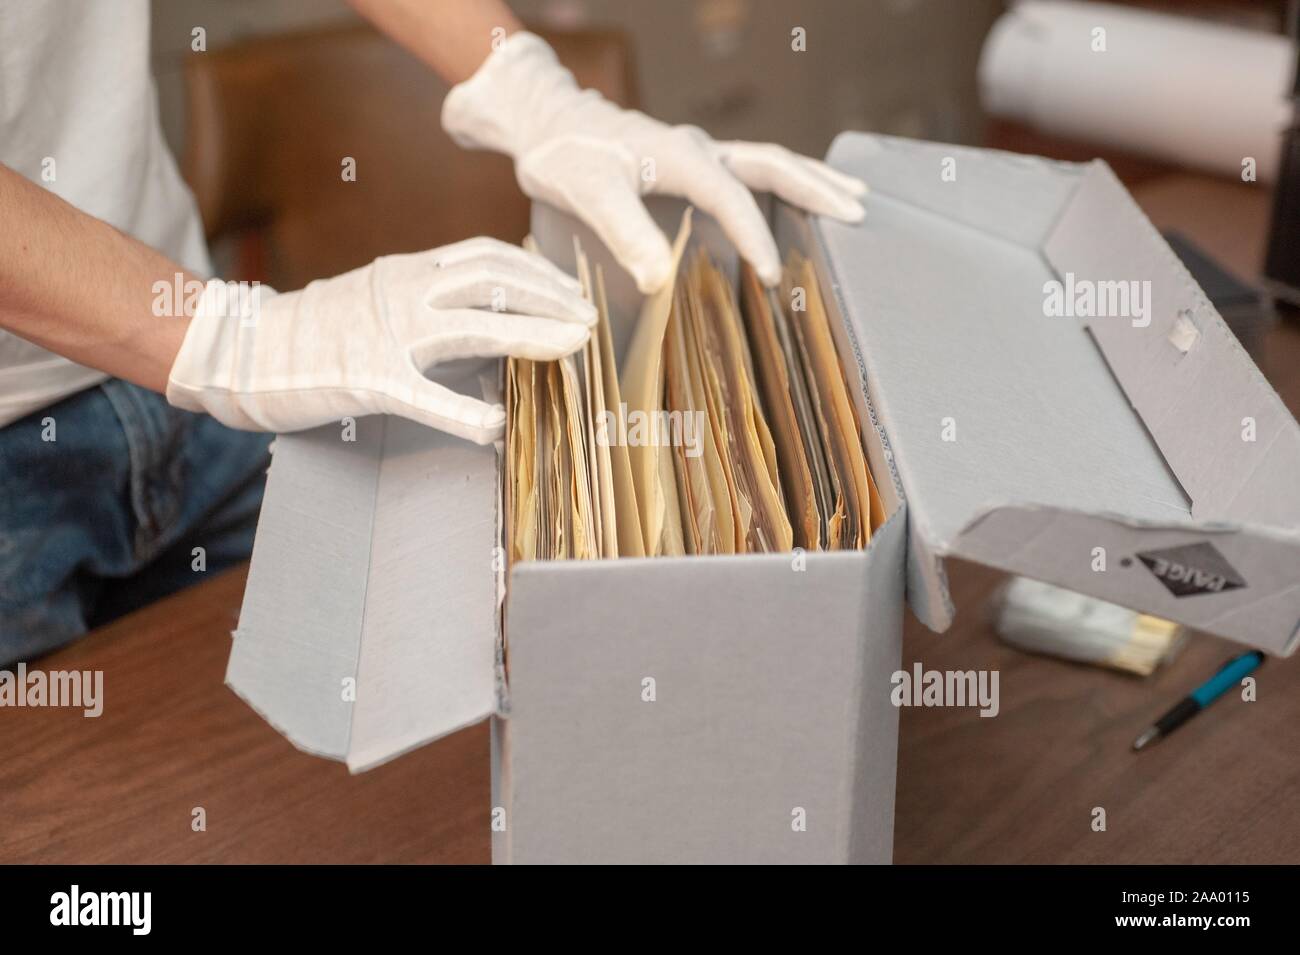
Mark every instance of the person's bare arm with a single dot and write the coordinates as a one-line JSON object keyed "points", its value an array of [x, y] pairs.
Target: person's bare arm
{"points": [[73, 284], [453, 37]]}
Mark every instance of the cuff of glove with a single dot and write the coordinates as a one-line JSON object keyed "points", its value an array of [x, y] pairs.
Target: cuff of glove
{"points": [[492, 109], [204, 375]]}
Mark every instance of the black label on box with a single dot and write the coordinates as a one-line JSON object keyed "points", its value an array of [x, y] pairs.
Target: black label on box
{"points": [[1192, 569]]}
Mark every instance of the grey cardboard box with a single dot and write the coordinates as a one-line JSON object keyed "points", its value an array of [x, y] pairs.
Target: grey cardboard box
{"points": [[700, 709]]}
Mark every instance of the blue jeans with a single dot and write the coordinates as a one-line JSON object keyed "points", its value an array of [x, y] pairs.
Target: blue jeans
{"points": [[104, 498]]}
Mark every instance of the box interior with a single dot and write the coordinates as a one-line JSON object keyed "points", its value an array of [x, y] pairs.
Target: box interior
{"points": [[555, 233], [991, 405]]}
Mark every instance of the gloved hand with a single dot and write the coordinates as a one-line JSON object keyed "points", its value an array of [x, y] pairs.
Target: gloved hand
{"points": [[579, 152], [357, 344]]}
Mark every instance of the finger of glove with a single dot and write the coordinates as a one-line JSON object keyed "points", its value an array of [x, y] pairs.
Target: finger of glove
{"points": [[740, 151], [437, 406], [503, 254], [851, 184], [617, 215], [467, 333], [800, 181], [712, 187], [855, 193], [598, 182], [488, 283]]}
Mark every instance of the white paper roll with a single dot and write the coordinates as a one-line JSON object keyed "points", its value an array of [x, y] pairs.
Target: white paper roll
{"points": [[1195, 93]]}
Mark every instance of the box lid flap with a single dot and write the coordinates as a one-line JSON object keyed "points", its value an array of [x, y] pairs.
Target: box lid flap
{"points": [[1152, 416], [360, 640]]}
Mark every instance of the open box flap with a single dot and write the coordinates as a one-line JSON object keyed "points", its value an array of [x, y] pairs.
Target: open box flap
{"points": [[1185, 373], [1246, 579], [358, 639], [995, 409]]}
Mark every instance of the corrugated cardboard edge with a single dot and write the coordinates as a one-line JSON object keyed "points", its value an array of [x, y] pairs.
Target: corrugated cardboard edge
{"points": [[871, 798]]}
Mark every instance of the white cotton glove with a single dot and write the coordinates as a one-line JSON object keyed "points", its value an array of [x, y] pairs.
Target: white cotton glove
{"points": [[579, 152], [358, 344]]}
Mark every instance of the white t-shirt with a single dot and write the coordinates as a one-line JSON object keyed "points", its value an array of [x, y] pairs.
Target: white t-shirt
{"points": [[79, 117]]}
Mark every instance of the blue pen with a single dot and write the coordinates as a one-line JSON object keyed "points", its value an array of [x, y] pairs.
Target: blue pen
{"points": [[1228, 676]]}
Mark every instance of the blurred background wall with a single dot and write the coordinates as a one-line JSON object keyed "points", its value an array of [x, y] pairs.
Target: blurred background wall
{"points": [[897, 66], [903, 67]]}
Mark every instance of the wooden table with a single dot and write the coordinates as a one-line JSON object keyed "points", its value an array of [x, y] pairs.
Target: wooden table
{"points": [[123, 787], [1017, 788]]}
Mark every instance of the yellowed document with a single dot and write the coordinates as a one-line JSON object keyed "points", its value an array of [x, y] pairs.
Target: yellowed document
{"points": [[626, 509], [756, 457], [716, 502], [522, 451], [560, 497], [583, 543], [642, 379], [732, 511], [599, 465], [559, 467], [731, 429], [844, 437], [778, 393], [693, 489]]}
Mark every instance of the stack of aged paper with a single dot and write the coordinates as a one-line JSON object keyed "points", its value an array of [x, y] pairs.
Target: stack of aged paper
{"points": [[730, 429]]}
